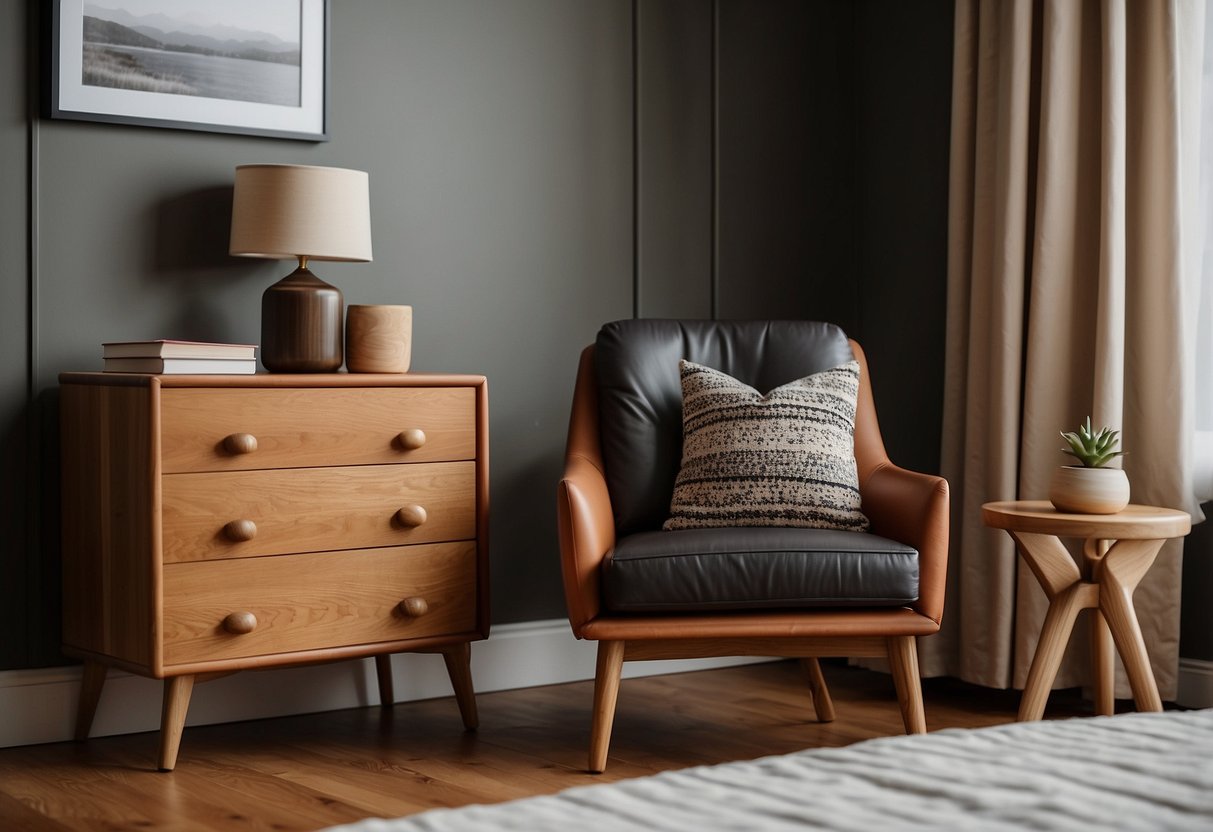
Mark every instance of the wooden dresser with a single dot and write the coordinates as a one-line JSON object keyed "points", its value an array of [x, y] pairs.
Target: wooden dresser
{"points": [[221, 523]]}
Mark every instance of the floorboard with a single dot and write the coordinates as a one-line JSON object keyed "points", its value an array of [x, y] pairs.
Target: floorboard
{"points": [[309, 772]]}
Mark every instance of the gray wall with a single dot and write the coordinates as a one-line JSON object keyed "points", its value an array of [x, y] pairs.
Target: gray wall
{"points": [[903, 72], [17, 563], [746, 160], [537, 167], [1195, 631], [792, 162]]}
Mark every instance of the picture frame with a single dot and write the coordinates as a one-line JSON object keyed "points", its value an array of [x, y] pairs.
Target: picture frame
{"points": [[251, 67]]}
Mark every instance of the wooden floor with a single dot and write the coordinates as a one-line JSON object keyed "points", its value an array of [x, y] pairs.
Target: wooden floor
{"points": [[309, 772]]}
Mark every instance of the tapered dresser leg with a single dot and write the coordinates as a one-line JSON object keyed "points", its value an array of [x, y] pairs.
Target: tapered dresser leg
{"points": [[822, 703], [177, 690], [606, 693], [458, 660], [91, 683], [383, 671]]}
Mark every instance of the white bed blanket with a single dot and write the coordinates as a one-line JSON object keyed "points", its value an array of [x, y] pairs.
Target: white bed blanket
{"points": [[1128, 772]]}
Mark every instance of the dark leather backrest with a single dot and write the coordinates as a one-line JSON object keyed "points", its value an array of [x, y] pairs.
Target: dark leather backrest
{"points": [[640, 394]]}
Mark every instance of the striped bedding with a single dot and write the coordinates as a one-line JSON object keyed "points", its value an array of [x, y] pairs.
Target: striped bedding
{"points": [[1127, 772]]}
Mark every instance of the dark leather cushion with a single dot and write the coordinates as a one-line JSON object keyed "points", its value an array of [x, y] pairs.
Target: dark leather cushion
{"points": [[640, 397], [757, 568]]}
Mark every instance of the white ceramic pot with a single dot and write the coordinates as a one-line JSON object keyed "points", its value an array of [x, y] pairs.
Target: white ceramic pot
{"points": [[1080, 490]]}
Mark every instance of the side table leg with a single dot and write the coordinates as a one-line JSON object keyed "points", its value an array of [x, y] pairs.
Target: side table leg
{"points": [[458, 660], [1122, 619], [1102, 664], [91, 683], [1124, 566], [383, 670], [1059, 622], [177, 691]]}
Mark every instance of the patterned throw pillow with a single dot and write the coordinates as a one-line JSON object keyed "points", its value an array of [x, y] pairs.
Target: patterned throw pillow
{"points": [[783, 459]]}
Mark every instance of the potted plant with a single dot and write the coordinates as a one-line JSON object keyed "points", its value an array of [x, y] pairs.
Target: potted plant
{"points": [[1090, 488]]}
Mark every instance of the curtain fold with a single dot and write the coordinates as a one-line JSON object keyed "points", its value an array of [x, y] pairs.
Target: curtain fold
{"points": [[1067, 296]]}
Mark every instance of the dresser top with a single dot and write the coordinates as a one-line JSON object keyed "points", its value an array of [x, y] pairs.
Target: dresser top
{"points": [[277, 380]]}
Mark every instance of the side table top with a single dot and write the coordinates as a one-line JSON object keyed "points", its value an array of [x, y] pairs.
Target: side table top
{"points": [[1134, 522]]}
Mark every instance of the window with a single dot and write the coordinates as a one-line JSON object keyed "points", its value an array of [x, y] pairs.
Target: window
{"points": [[1202, 254]]}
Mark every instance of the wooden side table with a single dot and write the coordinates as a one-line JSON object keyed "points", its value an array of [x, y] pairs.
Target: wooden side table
{"points": [[1118, 550]]}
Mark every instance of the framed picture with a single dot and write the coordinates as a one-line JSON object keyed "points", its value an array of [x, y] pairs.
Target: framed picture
{"points": [[258, 67]]}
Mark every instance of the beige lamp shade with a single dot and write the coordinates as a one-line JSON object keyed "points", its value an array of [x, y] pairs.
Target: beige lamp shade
{"points": [[287, 211]]}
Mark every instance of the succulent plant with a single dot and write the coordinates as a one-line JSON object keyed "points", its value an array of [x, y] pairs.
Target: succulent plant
{"points": [[1093, 450]]}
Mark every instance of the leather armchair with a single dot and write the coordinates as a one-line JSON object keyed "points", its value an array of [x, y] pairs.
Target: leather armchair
{"points": [[903, 506]]}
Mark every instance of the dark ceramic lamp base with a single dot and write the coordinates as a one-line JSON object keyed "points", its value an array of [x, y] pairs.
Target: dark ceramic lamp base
{"points": [[301, 319]]}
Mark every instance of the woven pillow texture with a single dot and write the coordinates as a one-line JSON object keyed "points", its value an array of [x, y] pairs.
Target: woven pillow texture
{"points": [[783, 459]]}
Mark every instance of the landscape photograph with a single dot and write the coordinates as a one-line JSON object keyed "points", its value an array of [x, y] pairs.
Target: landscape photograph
{"points": [[232, 50]]}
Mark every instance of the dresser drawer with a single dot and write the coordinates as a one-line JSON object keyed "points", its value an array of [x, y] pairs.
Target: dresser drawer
{"points": [[242, 514], [317, 601], [208, 429]]}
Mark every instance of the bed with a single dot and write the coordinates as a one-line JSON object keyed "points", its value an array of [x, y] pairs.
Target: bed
{"points": [[1133, 771]]}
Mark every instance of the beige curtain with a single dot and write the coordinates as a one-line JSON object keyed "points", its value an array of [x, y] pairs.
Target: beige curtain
{"points": [[1066, 296]]}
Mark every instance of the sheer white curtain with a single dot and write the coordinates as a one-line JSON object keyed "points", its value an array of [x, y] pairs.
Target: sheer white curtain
{"points": [[1200, 250]]}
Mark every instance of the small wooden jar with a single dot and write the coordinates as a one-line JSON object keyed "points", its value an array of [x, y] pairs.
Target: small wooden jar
{"points": [[378, 339]]}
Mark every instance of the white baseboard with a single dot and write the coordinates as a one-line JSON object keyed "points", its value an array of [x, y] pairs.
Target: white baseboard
{"points": [[1195, 684], [38, 706]]}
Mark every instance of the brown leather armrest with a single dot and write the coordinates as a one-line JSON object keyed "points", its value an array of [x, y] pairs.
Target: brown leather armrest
{"points": [[583, 504], [587, 533], [912, 508]]}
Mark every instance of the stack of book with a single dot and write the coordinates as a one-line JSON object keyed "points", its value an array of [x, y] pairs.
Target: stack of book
{"points": [[179, 357]]}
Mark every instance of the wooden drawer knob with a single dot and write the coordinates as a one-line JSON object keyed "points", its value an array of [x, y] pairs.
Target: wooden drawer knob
{"points": [[239, 531], [413, 607], [239, 623], [240, 443], [412, 516], [411, 439]]}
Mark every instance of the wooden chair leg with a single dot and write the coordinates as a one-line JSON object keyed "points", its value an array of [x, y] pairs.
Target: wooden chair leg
{"points": [[903, 660], [458, 660], [383, 672], [91, 683], [606, 692], [177, 692], [822, 704]]}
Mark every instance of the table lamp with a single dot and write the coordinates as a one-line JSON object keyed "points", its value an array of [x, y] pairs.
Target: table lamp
{"points": [[285, 212]]}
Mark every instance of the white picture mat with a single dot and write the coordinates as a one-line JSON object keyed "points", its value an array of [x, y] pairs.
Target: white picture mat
{"points": [[76, 98]]}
